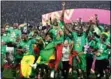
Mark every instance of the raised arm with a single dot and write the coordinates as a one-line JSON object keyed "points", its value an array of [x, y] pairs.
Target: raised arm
{"points": [[89, 26], [80, 22], [50, 20], [68, 29], [96, 19], [63, 10], [97, 22]]}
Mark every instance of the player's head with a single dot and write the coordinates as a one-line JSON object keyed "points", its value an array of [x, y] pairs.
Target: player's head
{"points": [[79, 31], [55, 22], [48, 37], [103, 37], [106, 28], [66, 43], [15, 25], [3, 30], [25, 37]]}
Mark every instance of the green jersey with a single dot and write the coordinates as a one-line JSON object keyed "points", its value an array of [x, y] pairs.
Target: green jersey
{"points": [[92, 43], [9, 29], [11, 37], [90, 33], [61, 24], [107, 34], [56, 39], [28, 45], [102, 49], [54, 32], [4, 40], [79, 42], [97, 30], [24, 45], [31, 47], [18, 33], [31, 34]]}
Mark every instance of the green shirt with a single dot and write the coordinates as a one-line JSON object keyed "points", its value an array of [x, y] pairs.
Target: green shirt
{"points": [[9, 29], [102, 49], [90, 33], [92, 43], [79, 41], [56, 39], [108, 35], [31, 34], [28, 45], [18, 33], [97, 30], [61, 24], [4, 39], [31, 47], [11, 37]]}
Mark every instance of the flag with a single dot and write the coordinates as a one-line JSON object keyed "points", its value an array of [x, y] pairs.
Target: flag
{"points": [[47, 53], [74, 54], [58, 55], [26, 69]]}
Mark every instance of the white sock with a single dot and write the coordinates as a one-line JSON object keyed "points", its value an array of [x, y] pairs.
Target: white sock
{"points": [[92, 71], [98, 75], [52, 74]]}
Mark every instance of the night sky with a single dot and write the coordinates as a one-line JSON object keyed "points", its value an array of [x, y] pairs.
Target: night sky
{"points": [[31, 11]]}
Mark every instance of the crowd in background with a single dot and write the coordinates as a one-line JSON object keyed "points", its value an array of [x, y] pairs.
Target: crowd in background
{"points": [[31, 11]]}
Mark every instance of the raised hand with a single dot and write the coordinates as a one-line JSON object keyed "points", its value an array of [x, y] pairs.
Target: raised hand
{"points": [[70, 70], [63, 3], [96, 15]]}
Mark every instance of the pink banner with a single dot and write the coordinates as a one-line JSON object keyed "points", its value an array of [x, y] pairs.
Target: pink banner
{"points": [[74, 14]]}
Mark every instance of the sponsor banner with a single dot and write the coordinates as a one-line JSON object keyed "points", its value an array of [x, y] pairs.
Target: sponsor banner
{"points": [[74, 14]]}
